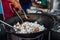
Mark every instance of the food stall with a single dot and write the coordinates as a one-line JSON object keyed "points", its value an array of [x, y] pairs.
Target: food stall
{"points": [[30, 19]]}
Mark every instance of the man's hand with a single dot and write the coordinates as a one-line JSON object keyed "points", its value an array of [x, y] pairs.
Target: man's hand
{"points": [[16, 4]]}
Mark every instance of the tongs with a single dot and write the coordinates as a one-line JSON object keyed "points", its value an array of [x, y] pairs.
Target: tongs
{"points": [[25, 15]]}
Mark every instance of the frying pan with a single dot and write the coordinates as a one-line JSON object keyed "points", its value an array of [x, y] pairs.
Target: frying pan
{"points": [[44, 18]]}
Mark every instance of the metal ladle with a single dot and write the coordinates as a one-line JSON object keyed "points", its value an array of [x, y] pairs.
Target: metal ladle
{"points": [[8, 25]]}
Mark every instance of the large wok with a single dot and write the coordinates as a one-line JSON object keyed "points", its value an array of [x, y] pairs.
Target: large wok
{"points": [[45, 19]]}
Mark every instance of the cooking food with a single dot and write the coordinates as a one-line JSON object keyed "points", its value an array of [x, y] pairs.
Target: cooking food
{"points": [[28, 27]]}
